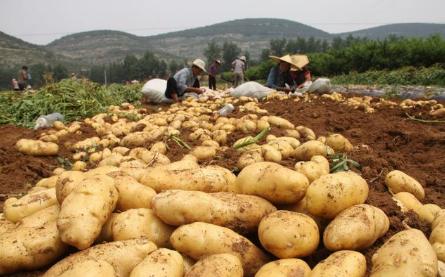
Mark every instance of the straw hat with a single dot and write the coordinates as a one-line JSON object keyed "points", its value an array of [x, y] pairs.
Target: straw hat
{"points": [[299, 61], [243, 58], [200, 64], [218, 61], [285, 58]]}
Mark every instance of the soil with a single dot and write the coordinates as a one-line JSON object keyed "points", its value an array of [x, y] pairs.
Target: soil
{"points": [[384, 140]]}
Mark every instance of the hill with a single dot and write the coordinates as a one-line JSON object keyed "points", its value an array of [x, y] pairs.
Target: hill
{"points": [[402, 29]]}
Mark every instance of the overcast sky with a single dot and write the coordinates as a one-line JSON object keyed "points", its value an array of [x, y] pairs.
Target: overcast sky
{"points": [[42, 21]]}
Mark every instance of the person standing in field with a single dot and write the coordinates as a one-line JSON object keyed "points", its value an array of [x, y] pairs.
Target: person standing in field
{"points": [[213, 71], [239, 67], [23, 77]]}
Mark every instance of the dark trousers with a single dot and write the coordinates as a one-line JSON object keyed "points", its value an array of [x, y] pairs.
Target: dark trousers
{"points": [[172, 87], [212, 82]]}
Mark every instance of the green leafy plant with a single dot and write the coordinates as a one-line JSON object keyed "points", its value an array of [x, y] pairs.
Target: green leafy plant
{"points": [[340, 162], [248, 141]]}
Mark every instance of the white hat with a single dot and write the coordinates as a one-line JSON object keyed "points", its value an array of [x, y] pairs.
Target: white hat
{"points": [[243, 58], [200, 64]]}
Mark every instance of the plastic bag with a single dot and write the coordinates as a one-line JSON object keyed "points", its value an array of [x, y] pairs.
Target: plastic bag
{"points": [[321, 85], [251, 89], [154, 91], [46, 121]]}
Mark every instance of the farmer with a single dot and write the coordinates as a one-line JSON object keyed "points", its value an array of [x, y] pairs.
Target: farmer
{"points": [[238, 68], [185, 82], [299, 72], [279, 77], [213, 71], [23, 77]]}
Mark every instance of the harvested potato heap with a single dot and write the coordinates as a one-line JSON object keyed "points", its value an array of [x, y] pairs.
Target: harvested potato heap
{"points": [[131, 211]]}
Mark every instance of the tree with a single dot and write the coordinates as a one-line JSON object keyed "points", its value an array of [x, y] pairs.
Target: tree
{"points": [[131, 67], [230, 52], [60, 72], [173, 66], [212, 52], [278, 46], [265, 53]]}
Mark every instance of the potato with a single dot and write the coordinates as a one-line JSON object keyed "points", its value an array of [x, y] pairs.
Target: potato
{"points": [[37, 147], [280, 122], [220, 136], [330, 194], [141, 138], [122, 255], [408, 202], [441, 270], [187, 162], [210, 143], [79, 166], [250, 157], [48, 182], [218, 265], [160, 263], [86, 209], [66, 182], [203, 152], [5, 224], [270, 153], [106, 234], [397, 181], [432, 209], [89, 268], [208, 179], [285, 268], [132, 194], [407, 253], [273, 182], [342, 263], [306, 133], [283, 146], [199, 239], [313, 169], [262, 124], [339, 143], [312, 148], [16, 209], [357, 227], [288, 234], [121, 150], [139, 223], [31, 244], [293, 133], [239, 212], [159, 147], [437, 237]]}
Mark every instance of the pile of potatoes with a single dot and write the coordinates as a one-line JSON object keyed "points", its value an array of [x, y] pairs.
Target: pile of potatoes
{"points": [[130, 211]]}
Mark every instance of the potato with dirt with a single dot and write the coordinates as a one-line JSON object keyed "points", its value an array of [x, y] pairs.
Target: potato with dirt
{"points": [[288, 234], [37, 147], [313, 169], [330, 194], [208, 179], [140, 223], [218, 265], [339, 143], [311, 148], [123, 256], [86, 209], [398, 181], [408, 202], [32, 243], [160, 263], [238, 212], [342, 263], [284, 268], [16, 209], [89, 268], [437, 237], [132, 194], [66, 182], [271, 181], [407, 253], [357, 227], [199, 239]]}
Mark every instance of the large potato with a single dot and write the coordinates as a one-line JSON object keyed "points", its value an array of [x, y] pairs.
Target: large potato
{"points": [[339, 143], [342, 263], [31, 244], [199, 239], [138, 223], [37, 147], [218, 265], [66, 182], [5, 224], [330, 194], [408, 202], [407, 253], [160, 263], [285, 268], [288, 234], [273, 182], [86, 209], [313, 169], [312, 148], [89, 268], [208, 179], [132, 194], [397, 181], [16, 209], [123, 256], [357, 227], [239, 212], [437, 237], [48, 182], [280, 122]]}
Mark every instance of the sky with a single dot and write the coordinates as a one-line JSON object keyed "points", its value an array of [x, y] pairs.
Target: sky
{"points": [[42, 21]]}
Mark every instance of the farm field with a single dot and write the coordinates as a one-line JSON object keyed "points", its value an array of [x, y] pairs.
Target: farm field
{"points": [[385, 135]]}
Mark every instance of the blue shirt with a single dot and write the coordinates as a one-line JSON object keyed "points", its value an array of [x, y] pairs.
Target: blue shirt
{"points": [[276, 80], [184, 79]]}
